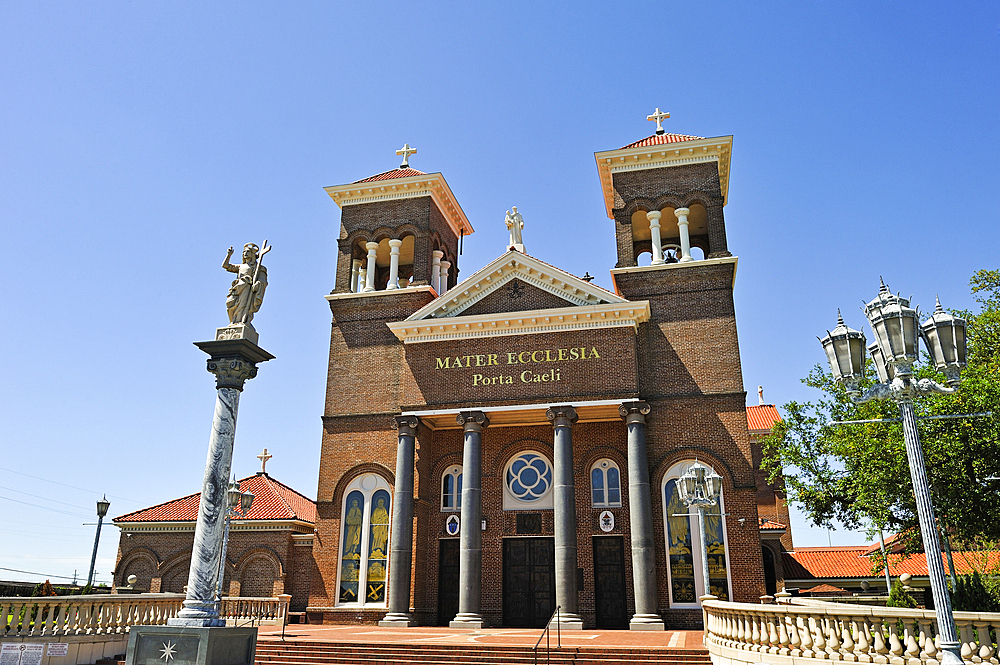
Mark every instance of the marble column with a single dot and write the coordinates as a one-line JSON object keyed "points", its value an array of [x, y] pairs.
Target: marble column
{"points": [[355, 271], [436, 255], [654, 231], [640, 515], [232, 362], [564, 514], [372, 247], [401, 539], [394, 246], [361, 280], [445, 269], [682, 226], [470, 541]]}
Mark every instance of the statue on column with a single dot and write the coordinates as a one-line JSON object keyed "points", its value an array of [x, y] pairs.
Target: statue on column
{"points": [[247, 291], [515, 223]]}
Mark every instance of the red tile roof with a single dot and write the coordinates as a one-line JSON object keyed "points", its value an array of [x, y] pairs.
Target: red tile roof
{"points": [[761, 418], [768, 525], [661, 139], [389, 175], [827, 590], [272, 501], [848, 562]]}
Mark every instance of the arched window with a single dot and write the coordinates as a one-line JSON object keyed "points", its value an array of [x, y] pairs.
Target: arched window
{"points": [[451, 489], [605, 485], [683, 535], [364, 543], [528, 482]]}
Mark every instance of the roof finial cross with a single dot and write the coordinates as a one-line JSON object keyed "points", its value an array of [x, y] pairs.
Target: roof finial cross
{"points": [[263, 457], [406, 151], [659, 117]]}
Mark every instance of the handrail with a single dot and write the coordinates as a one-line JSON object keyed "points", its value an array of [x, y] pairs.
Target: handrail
{"points": [[545, 634]]}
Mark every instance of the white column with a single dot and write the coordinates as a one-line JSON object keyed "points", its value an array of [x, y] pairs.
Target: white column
{"points": [[436, 270], [361, 280], [654, 230], [445, 267], [370, 274], [355, 271], [394, 246], [682, 224]]}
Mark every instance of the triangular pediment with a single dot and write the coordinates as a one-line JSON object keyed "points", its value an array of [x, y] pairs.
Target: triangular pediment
{"points": [[515, 282]]}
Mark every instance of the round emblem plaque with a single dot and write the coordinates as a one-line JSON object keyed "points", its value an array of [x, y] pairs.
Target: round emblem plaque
{"points": [[451, 525], [607, 521]]}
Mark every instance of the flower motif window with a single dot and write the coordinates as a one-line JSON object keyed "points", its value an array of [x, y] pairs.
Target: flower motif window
{"points": [[528, 482]]}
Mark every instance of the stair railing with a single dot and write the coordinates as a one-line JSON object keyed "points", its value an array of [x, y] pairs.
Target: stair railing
{"points": [[546, 633]]}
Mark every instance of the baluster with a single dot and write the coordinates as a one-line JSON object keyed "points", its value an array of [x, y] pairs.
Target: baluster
{"points": [[832, 638], [784, 641], [794, 640], [895, 645], [807, 638], [847, 641], [773, 643], [862, 645], [878, 642], [755, 635], [912, 648], [969, 646], [985, 643], [928, 650], [819, 637], [741, 629]]}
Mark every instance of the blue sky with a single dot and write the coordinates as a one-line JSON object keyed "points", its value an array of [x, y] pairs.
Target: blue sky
{"points": [[140, 140]]}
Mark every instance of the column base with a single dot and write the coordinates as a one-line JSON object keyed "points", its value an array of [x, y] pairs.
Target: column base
{"points": [[657, 262], [467, 621], [397, 620], [686, 259], [568, 622], [646, 622]]}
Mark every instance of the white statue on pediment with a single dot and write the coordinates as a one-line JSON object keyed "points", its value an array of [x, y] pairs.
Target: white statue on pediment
{"points": [[515, 222]]}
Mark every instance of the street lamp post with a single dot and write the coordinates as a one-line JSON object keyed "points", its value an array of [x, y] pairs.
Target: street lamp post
{"points": [[238, 505], [700, 487], [102, 510], [896, 330]]}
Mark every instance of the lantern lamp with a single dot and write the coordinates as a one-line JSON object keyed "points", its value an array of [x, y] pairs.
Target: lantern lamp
{"points": [[895, 326], [233, 495], [102, 506], [845, 350], [246, 500], [944, 335], [886, 372]]}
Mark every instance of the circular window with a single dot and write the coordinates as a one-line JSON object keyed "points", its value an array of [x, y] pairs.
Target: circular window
{"points": [[529, 477]]}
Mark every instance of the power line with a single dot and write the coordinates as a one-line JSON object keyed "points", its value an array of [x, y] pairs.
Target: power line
{"points": [[37, 496], [28, 572], [55, 510], [82, 489]]}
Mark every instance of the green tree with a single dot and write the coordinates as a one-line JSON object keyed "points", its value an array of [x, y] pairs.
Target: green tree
{"points": [[858, 474], [900, 597]]}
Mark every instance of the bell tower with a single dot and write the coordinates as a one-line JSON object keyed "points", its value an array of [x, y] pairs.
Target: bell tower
{"points": [[397, 229]]}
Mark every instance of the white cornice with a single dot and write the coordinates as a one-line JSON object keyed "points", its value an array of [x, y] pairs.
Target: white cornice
{"points": [[560, 319], [503, 269], [429, 184], [609, 162], [236, 525], [384, 292]]}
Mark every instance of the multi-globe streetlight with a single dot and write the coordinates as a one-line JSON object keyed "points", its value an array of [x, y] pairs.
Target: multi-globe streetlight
{"points": [[897, 334], [237, 505], [700, 487]]}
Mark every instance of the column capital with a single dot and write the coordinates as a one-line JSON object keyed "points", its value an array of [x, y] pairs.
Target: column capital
{"points": [[634, 411], [231, 372], [473, 421], [371, 246], [437, 254], [653, 216], [561, 416], [682, 212], [407, 425], [395, 242]]}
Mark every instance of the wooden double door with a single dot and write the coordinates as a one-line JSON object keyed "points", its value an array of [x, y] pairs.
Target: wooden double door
{"points": [[609, 582]]}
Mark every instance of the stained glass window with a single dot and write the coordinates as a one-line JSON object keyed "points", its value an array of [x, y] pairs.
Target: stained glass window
{"points": [[529, 477], [451, 489], [684, 545], [364, 551], [605, 484]]}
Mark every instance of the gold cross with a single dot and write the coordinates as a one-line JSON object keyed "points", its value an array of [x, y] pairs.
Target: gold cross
{"points": [[406, 151], [659, 117], [263, 457]]}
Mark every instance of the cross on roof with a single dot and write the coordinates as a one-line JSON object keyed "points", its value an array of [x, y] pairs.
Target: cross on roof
{"points": [[658, 116], [406, 151], [263, 457]]}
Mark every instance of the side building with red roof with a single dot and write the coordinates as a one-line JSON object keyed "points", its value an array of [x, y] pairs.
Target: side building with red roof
{"points": [[269, 552]]}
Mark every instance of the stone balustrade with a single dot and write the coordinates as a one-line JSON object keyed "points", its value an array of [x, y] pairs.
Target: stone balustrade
{"points": [[738, 633], [57, 616]]}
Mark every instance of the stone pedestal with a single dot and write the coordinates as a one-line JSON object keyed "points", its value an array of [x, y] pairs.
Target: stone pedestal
{"points": [[184, 645], [232, 362], [237, 331]]}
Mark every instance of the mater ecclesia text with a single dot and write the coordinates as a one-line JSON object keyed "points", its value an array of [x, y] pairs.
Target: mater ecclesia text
{"points": [[498, 360]]}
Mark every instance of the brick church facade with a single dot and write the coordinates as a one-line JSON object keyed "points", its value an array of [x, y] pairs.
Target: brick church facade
{"points": [[496, 446]]}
